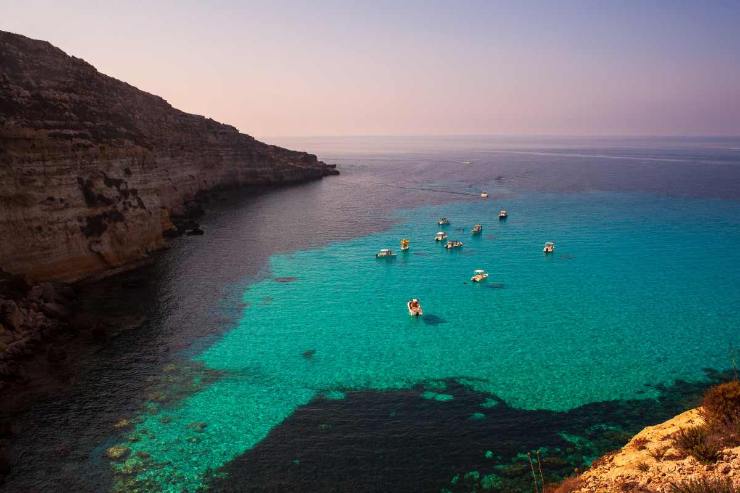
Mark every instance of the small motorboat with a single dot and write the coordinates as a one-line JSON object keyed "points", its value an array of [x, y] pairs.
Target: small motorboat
{"points": [[440, 236], [453, 244], [549, 247], [479, 275], [467, 162], [385, 253], [414, 307], [502, 214], [443, 221], [477, 229], [484, 195], [404, 245]]}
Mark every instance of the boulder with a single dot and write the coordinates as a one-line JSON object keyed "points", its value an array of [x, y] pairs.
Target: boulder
{"points": [[117, 452], [122, 423], [198, 426], [55, 310], [11, 314]]}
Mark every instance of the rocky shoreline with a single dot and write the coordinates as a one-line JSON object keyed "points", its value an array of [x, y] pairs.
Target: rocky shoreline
{"points": [[95, 176], [30, 315]]}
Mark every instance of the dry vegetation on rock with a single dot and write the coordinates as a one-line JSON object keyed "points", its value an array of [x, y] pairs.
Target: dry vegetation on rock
{"points": [[697, 451]]}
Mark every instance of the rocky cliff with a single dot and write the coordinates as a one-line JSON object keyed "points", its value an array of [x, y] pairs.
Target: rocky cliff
{"points": [[92, 169]]}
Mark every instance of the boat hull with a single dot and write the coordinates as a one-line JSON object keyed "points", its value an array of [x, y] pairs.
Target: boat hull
{"points": [[414, 312]]}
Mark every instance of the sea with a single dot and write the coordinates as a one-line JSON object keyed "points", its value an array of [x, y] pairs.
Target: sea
{"points": [[276, 353]]}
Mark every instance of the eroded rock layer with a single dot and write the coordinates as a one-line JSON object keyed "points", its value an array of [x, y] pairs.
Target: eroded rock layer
{"points": [[92, 169]]}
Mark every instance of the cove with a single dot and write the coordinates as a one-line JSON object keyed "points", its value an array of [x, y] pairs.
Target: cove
{"points": [[641, 289]]}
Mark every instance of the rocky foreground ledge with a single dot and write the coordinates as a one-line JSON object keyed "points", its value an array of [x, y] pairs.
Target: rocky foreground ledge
{"points": [[94, 172], [651, 462], [697, 451]]}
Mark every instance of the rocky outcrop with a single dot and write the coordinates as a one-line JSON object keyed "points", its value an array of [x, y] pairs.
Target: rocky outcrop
{"points": [[92, 170], [650, 462], [30, 316]]}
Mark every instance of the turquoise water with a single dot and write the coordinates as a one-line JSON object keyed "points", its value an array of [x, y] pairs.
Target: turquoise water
{"points": [[641, 290]]}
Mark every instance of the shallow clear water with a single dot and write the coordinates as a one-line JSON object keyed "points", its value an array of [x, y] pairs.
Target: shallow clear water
{"points": [[629, 297], [286, 309]]}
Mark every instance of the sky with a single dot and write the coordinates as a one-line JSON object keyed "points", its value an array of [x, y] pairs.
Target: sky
{"points": [[333, 68]]}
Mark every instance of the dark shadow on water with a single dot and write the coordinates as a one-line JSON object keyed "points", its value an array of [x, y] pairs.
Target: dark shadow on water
{"points": [[308, 353], [285, 279], [399, 441], [495, 285], [433, 319]]}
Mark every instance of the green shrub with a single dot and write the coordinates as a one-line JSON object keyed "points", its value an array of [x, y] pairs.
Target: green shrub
{"points": [[699, 442], [714, 485]]}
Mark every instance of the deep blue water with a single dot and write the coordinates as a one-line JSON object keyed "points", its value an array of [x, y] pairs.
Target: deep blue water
{"points": [[278, 339]]}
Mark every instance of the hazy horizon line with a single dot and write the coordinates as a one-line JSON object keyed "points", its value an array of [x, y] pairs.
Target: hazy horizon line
{"points": [[502, 135]]}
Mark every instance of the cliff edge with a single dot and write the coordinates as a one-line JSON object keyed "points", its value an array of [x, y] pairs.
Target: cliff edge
{"points": [[93, 169], [652, 462]]}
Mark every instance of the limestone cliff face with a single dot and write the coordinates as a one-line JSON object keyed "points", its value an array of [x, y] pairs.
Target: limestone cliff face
{"points": [[91, 168]]}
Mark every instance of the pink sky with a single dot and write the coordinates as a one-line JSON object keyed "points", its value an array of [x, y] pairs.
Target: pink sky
{"points": [[412, 68]]}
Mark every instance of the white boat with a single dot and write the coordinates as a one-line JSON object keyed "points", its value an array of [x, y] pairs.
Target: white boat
{"points": [[484, 195], [502, 214], [404, 245], [479, 275], [443, 221], [384, 253], [549, 247], [477, 229], [440, 236], [414, 307], [453, 244], [467, 162]]}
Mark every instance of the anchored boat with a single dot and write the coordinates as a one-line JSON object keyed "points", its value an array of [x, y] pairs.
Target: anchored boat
{"points": [[502, 214], [414, 307], [443, 221], [477, 229], [453, 244], [404, 245], [385, 253], [440, 236], [479, 275], [484, 195], [549, 247]]}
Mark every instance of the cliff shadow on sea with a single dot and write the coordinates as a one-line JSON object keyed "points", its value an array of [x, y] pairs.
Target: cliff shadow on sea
{"points": [[463, 441]]}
